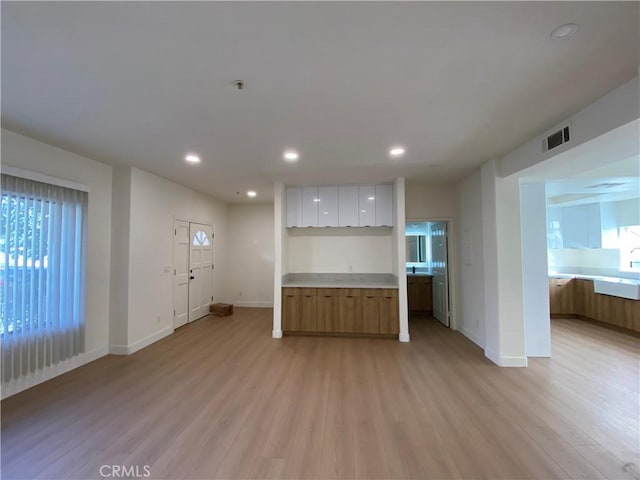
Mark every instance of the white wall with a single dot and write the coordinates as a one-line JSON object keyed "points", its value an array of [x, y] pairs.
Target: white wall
{"points": [[120, 237], [614, 110], [340, 250], [155, 202], [471, 313], [250, 257], [427, 202], [26, 153]]}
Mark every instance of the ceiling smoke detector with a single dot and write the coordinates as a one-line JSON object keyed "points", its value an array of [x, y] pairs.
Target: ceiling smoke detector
{"points": [[239, 84], [564, 31]]}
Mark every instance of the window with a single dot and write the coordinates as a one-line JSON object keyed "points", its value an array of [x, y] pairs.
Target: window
{"points": [[42, 274], [200, 238], [630, 248]]}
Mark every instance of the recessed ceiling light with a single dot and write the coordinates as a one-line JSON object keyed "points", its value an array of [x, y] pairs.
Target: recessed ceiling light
{"points": [[192, 158], [396, 151], [291, 155], [371, 198], [251, 193], [363, 211], [564, 31]]}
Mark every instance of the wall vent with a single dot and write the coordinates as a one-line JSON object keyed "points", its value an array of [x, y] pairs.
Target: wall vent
{"points": [[557, 138]]}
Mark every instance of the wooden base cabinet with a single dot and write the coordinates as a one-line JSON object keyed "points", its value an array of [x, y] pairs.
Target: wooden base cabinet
{"points": [[569, 296], [420, 293], [299, 310], [327, 310], [370, 311], [562, 296]]}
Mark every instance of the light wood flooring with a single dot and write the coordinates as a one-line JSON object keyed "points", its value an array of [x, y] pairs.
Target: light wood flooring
{"points": [[220, 399]]}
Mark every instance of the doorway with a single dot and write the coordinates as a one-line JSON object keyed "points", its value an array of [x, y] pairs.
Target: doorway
{"points": [[192, 271], [428, 278]]}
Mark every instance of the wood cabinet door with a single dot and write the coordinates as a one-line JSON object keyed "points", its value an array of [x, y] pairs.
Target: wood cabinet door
{"points": [[561, 296], [291, 313], [327, 310], [308, 317], [350, 310], [389, 315], [425, 294], [370, 312], [413, 294]]}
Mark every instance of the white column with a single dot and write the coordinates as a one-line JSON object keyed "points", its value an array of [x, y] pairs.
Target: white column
{"points": [[401, 258], [535, 277], [504, 323], [278, 231]]}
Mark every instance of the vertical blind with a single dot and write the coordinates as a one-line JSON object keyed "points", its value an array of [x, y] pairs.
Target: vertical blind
{"points": [[42, 274]]}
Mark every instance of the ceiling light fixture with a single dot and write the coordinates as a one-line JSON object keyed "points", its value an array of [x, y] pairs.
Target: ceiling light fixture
{"points": [[251, 193], [371, 198], [564, 31], [192, 158], [291, 155], [396, 151]]}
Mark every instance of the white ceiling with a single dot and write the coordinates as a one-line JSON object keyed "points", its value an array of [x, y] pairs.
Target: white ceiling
{"points": [[455, 83], [613, 182]]}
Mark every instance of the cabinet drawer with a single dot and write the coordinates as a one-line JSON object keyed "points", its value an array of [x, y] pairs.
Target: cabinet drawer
{"points": [[288, 291], [327, 292], [388, 292], [350, 292]]}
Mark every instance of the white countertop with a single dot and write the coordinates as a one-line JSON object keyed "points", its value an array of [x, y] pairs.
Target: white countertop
{"points": [[626, 281], [340, 280]]}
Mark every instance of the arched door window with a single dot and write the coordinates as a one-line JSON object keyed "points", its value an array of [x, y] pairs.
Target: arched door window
{"points": [[201, 238]]}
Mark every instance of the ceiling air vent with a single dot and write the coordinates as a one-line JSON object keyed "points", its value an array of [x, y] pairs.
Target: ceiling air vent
{"points": [[556, 139]]}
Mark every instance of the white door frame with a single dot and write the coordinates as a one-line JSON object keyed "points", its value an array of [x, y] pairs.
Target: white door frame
{"points": [[191, 220], [452, 257]]}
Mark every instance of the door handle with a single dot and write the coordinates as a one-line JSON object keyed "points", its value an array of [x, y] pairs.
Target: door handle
{"points": [[191, 277]]}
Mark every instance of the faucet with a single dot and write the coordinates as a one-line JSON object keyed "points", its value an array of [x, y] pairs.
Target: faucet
{"points": [[631, 262], [413, 269]]}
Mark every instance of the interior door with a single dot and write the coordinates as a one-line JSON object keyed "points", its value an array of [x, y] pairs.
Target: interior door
{"points": [[439, 259], [180, 273], [200, 270]]}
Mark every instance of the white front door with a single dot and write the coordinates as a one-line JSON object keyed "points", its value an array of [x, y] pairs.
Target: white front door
{"points": [[180, 273], [439, 250], [200, 270]]}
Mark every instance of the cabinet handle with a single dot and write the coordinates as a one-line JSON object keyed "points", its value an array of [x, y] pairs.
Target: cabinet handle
{"points": [[308, 296], [328, 296]]}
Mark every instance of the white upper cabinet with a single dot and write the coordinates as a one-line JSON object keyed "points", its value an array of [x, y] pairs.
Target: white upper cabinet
{"points": [[310, 201], [348, 206], [384, 205], [294, 207], [340, 206], [328, 206], [367, 205]]}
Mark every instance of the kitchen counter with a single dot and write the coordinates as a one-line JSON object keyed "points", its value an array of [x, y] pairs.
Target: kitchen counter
{"points": [[627, 281], [340, 280]]}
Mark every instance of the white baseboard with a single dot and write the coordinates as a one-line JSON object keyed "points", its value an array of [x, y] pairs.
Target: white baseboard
{"points": [[252, 304], [27, 381], [140, 344], [505, 361], [471, 337], [403, 337], [276, 333]]}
